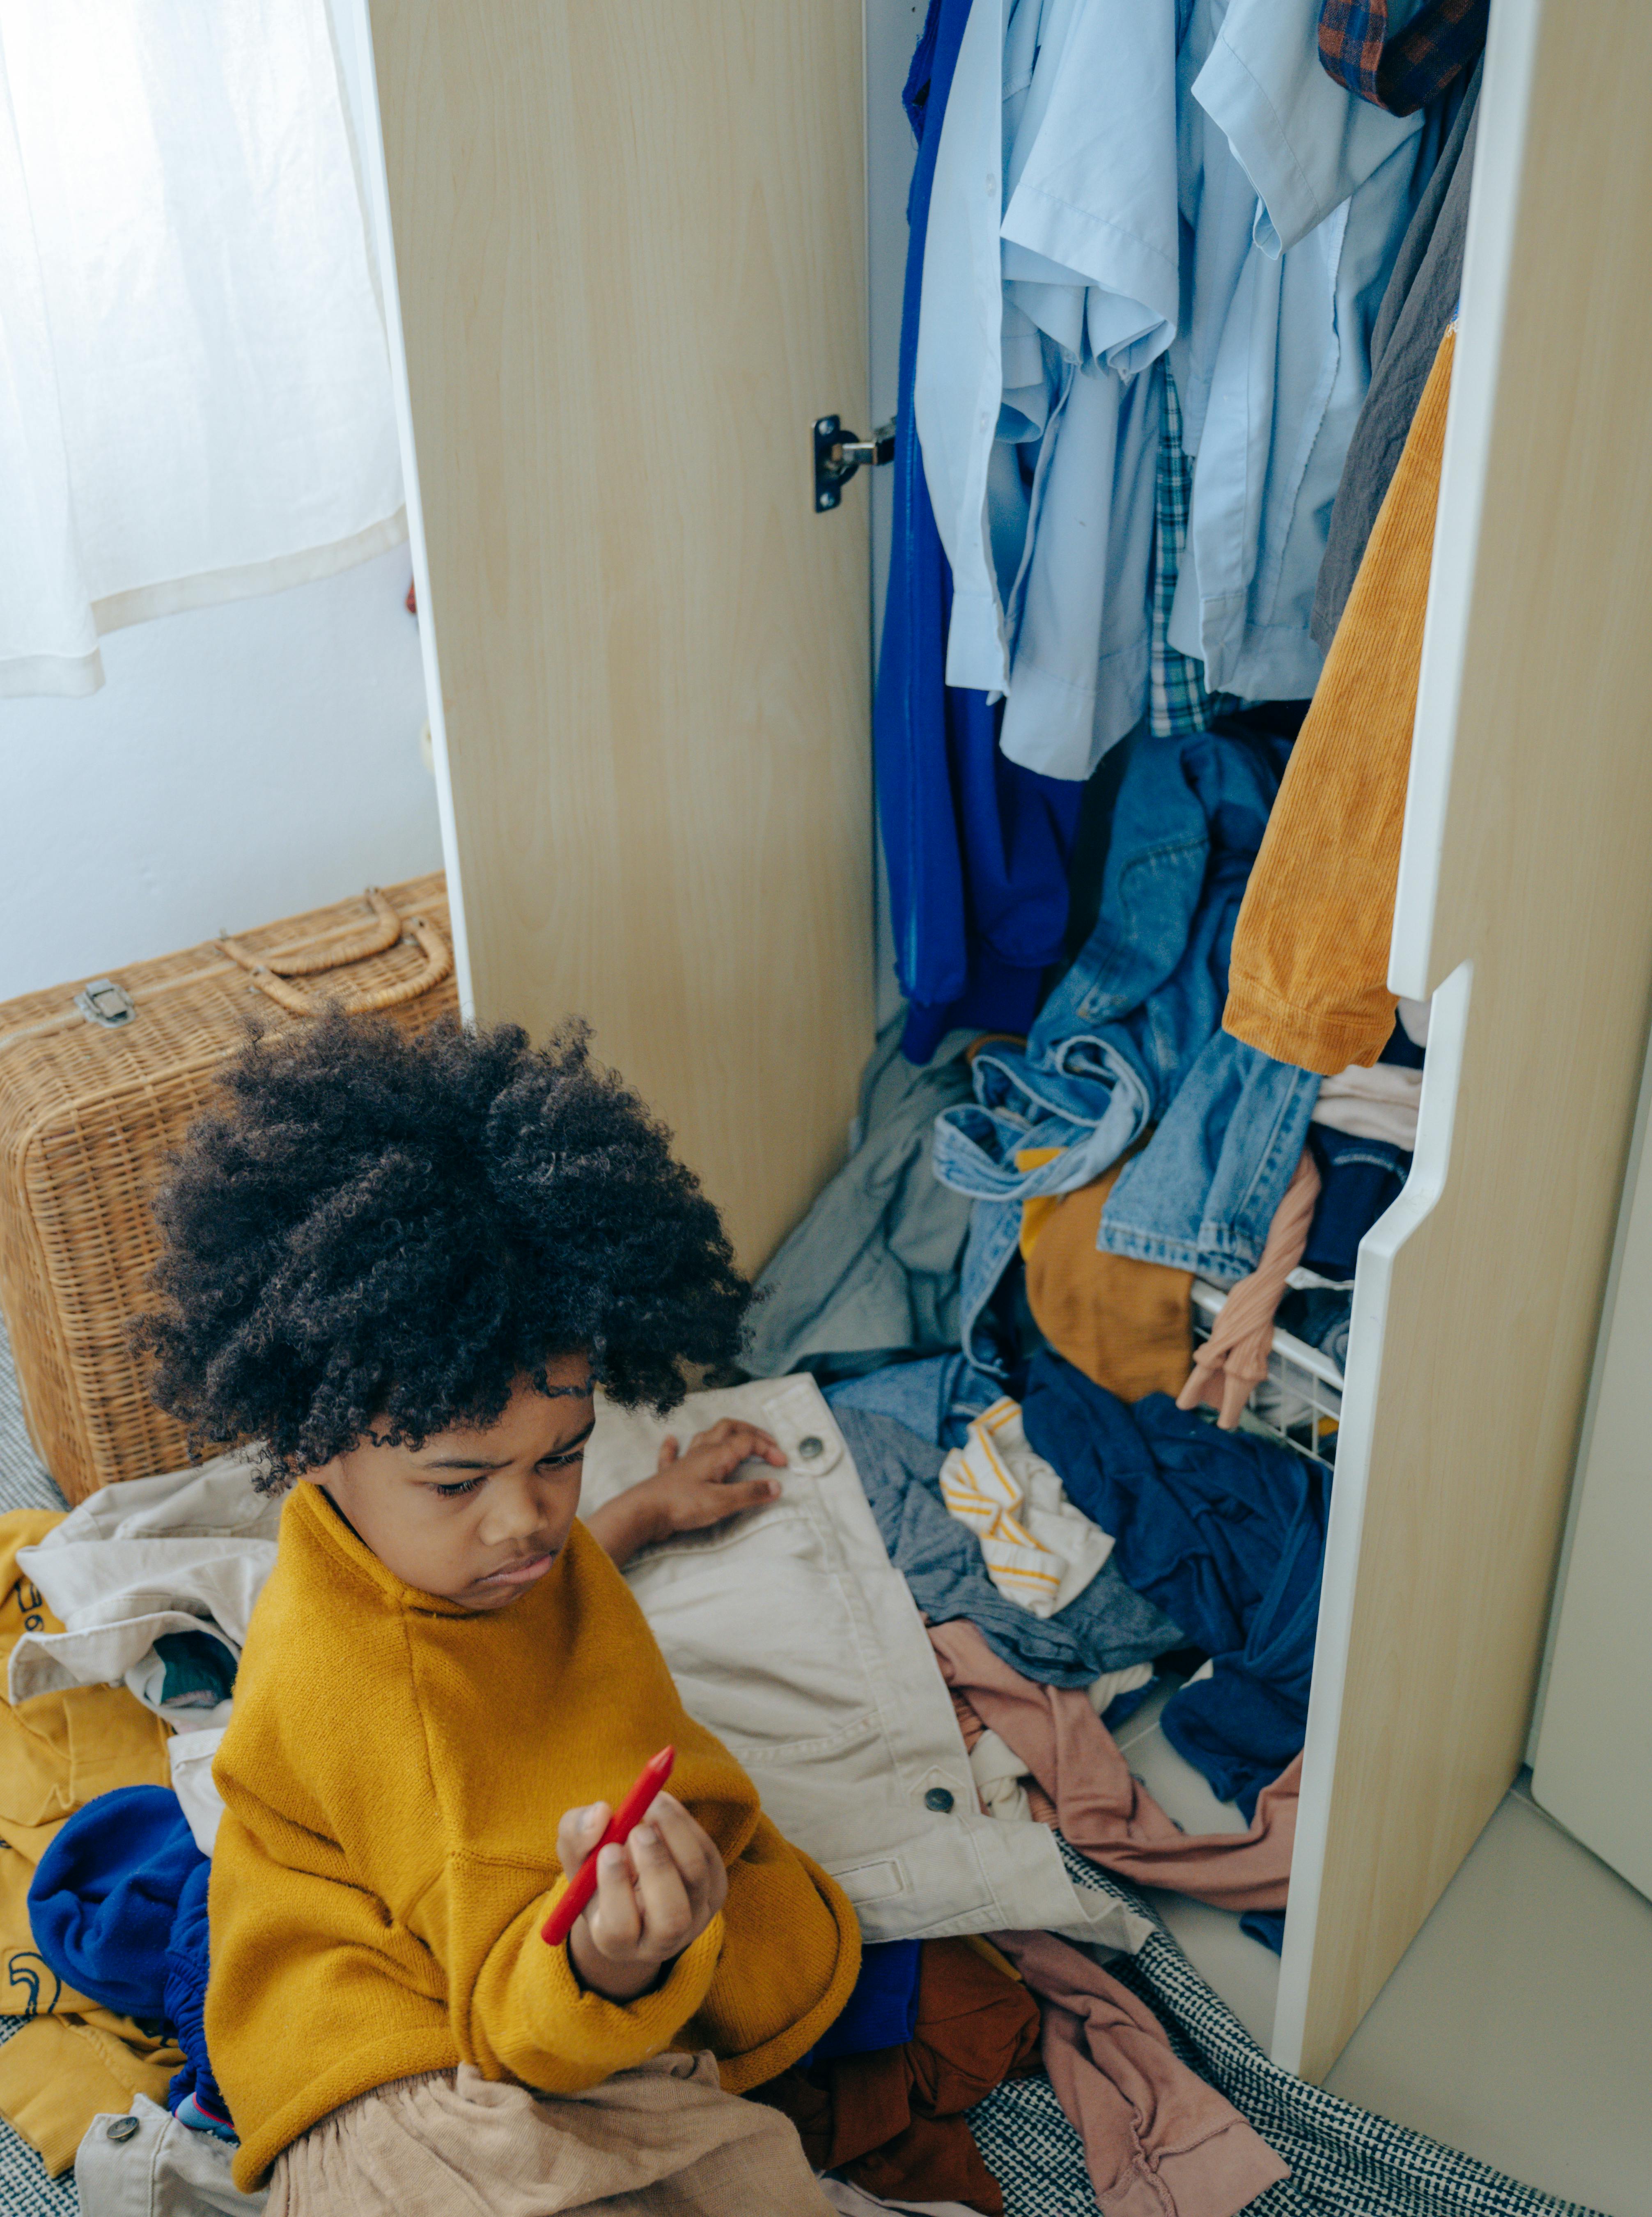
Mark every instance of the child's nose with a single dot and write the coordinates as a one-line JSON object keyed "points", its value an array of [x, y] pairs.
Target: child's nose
{"points": [[513, 1513]]}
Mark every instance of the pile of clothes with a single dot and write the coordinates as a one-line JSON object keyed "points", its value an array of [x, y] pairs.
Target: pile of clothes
{"points": [[158, 1578]]}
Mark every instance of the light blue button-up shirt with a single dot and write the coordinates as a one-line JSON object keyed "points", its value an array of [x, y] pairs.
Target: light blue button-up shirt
{"points": [[1117, 178], [1296, 193], [1050, 290]]}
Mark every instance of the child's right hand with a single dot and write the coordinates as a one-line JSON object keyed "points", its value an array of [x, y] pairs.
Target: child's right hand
{"points": [[654, 1895]]}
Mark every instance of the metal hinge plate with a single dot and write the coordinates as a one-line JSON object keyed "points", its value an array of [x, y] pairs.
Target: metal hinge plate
{"points": [[103, 1001], [838, 454]]}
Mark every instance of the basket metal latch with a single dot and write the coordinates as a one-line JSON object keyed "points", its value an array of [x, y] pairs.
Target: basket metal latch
{"points": [[838, 454], [103, 1001]]}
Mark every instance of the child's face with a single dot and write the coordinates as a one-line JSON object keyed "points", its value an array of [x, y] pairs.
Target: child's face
{"points": [[475, 1516]]}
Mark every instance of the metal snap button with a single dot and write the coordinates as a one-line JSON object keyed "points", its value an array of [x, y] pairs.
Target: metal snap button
{"points": [[811, 1449], [939, 1798], [121, 2129]]}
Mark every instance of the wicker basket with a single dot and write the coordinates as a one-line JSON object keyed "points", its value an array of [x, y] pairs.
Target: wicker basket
{"points": [[98, 1081]]}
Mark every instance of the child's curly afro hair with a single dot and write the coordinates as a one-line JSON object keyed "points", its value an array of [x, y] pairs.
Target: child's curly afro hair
{"points": [[373, 1225]]}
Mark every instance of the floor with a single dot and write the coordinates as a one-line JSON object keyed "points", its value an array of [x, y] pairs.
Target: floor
{"points": [[1518, 2026]]}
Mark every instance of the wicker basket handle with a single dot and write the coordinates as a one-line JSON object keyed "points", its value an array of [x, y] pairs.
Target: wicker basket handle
{"points": [[298, 1001], [376, 940]]}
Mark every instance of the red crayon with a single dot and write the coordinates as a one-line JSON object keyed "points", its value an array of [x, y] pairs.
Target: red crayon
{"points": [[621, 1825]]}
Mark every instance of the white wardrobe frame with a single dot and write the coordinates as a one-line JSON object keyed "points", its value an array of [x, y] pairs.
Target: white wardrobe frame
{"points": [[1525, 909]]}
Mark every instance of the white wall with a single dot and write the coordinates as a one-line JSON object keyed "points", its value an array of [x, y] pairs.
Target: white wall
{"points": [[241, 763]]}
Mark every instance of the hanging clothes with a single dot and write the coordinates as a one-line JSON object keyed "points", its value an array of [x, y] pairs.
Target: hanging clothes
{"points": [[1295, 194], [1308, 981], [1049, 291], [976, 848], [1177, 698], [1404, 72], [1420, 300]]}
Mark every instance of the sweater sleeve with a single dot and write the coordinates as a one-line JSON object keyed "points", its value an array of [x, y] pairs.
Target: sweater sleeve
{"points": [[521, 2013], [790, 1957]]}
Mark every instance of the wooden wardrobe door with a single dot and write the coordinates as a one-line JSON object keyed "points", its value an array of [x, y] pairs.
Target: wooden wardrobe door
{"points": [[1527, 887], [1593, 1767], [629, 246]]}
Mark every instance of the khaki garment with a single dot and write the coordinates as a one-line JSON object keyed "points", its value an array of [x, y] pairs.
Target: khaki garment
{"points": [[1126, 1324], [1309, 980], [70, 2059], [662, 2138]]}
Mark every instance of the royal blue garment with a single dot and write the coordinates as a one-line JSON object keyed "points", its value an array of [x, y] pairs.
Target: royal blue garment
{"points": [[183, 2005], [1226, 1533], [1358, 1179], [118, 1906], [977, 846], [105, 1896], [881, 2010], [1267, 1925]]}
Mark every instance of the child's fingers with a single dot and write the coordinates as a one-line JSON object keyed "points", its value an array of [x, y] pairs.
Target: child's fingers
{"points": [[668, 1917], [750, 1493], [578, 1833], [739, 1442], [694, 1854], [614, 1919], [669, 1451]]}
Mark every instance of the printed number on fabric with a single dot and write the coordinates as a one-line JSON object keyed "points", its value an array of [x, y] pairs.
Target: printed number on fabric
{"points": [[29, 1601]]}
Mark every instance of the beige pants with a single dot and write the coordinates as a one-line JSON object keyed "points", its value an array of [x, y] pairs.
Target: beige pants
{"points": [[664, 2139]]}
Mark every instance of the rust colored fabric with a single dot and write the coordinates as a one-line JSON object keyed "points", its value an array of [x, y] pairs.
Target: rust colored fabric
{"points": [[1108, 1815], [1309, 980], [1232, 1363], [1158, 2141], [1128, 1324], [894, 2121]]}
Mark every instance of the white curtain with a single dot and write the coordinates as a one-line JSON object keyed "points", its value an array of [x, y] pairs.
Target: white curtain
{"points": [[194, 390]]}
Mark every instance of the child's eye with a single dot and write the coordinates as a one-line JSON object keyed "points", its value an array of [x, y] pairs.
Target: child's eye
{"points": [[460, 1485], [565, 1461]]}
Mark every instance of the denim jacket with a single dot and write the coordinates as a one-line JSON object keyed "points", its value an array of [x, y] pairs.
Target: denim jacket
{"points": [[1132, 1036]]}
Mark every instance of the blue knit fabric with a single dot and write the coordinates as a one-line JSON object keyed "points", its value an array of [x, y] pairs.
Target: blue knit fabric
{"points": [[118, 1910], [185, 2002], [106, 1892]]}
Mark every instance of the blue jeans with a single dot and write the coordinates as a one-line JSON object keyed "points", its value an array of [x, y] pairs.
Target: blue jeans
{"points": [[1132, 1036]]}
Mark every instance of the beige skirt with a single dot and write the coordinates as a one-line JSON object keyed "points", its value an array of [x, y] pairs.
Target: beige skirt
{"points": [[664, 2139]]}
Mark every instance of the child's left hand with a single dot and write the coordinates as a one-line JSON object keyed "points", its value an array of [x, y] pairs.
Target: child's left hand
{"points": [[654, 1897], [692, 1487]]}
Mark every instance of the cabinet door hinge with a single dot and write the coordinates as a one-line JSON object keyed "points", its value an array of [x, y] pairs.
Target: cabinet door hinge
{"points": [[838, 454]]}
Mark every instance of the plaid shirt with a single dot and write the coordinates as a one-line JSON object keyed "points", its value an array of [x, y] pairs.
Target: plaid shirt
{"points": [[1177, 700], [1405, 72]]}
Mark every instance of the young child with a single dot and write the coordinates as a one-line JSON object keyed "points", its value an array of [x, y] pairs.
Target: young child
{"points": [[402, 1265]]}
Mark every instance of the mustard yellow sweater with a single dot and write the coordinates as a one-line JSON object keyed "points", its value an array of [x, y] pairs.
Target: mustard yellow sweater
{"points": [[393, 1778]]}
